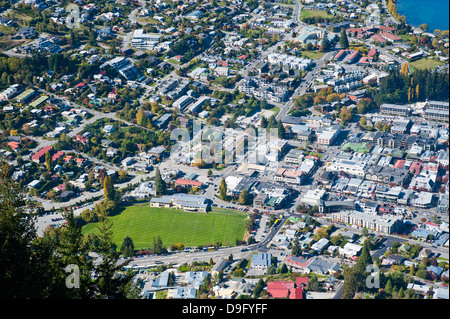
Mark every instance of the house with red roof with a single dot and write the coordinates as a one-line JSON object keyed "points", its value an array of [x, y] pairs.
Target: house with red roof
{"points": [[80, 161], [298, 263], [69, 158], [386, 28], [415, 168], [390, 37], [378, 38], [80, 86], [372, 52], [296, 293], [399, 164], [285, 289], [187, 183], [57, 155], [14, 146], [301, 282], [80, 138], [39, 156], [366, 60], [279, 289], [48, 109], [59, 188]]}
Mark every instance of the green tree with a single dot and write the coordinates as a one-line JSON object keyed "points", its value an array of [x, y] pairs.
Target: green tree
{"points": [[140, 117], [364, 259], [108, 188], [243, 197], [343, 41], [281, 131], [158, 247], [283, 269], [325, 44], [127, 248], [108, 284], [223, 189], [363, 106], [351, 284], [388, 288], [48, 160], [160, 184], [296, 248], [313, 282], [263, 122], [73, 250], [258, 288], [21, 276]]}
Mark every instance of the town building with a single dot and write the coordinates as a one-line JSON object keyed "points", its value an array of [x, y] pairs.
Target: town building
{"points": [[384, 224]]}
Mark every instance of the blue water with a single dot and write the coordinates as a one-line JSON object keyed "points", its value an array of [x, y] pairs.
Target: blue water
{"points": [[432, 12]]}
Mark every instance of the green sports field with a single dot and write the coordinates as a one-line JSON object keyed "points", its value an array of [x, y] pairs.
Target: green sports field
{"points": [[142, 223]]}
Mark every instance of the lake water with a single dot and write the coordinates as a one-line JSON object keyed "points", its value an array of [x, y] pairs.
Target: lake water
{"points": [[432, 12]]}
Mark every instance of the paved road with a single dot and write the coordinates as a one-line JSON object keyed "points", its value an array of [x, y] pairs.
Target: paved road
{"points": [[306, 82]]}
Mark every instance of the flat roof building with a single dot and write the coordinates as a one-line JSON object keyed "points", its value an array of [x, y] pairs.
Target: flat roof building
{"points": [[384, 224]]}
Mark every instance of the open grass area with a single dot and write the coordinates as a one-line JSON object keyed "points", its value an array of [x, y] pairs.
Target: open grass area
{"points": [[314, 13], [142, 223], [423, 64], [314, 55]]}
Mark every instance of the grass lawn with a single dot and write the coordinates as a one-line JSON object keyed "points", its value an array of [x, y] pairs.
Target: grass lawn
{"points": [[314, 55], [142, 223], [313, 13], [423, 64]]}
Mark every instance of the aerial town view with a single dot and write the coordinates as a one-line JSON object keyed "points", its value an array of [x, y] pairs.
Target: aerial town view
{"points": [[224, 149]]}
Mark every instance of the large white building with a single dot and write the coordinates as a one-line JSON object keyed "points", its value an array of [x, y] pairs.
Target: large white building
{"points": [[144, 190], [329, 134], [351, 167], [144, 41], [384, 224], [290, 61]]}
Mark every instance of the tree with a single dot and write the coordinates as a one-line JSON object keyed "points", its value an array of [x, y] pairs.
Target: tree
{"points": [[351, 285], [223, 189], [412, 270], [296, 248], [48, 160], [321, 233], [283, 269], [281, 131], [388, 288], [325, 44], [363, 121], [343, 41], [363, 106], [345, 114], [263, 122], [108, 284], [258, 288], [160, 184], [424, 27], [21, 257], [108, 188], [313, 282], [127, 248], [243, 197], [140, 117], [404, 69], [158, 247], [73, 250]]}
